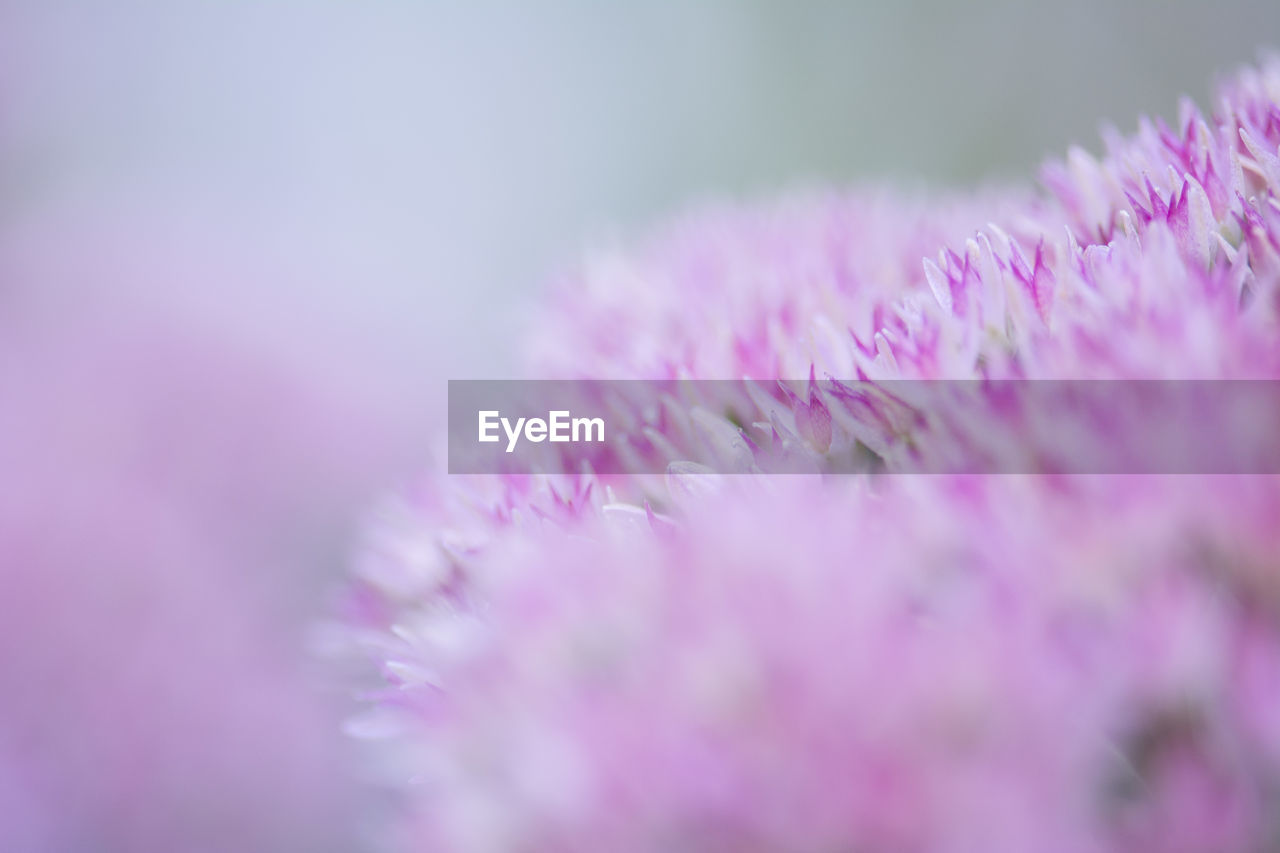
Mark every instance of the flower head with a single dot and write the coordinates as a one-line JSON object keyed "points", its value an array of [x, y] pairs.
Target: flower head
{"points": [[1043, 663]]}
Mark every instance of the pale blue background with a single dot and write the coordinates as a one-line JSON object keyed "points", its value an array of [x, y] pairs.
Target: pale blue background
{"points": [[398, 178]]}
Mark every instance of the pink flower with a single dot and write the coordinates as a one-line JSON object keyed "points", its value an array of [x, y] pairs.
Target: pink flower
{"points": [[933, 665], [1008, 664]]}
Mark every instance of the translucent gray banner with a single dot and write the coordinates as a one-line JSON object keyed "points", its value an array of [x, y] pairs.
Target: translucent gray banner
{"points": [[832, 426]]}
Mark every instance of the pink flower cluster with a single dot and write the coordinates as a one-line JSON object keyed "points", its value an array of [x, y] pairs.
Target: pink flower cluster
{"points": [[905, 663]]}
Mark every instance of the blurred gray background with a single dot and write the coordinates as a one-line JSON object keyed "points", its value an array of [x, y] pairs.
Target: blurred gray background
{"points": [[378, 188]]}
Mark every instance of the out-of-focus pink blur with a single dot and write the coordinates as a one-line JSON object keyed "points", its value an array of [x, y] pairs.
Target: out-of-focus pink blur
{"points": [[241, 247]]}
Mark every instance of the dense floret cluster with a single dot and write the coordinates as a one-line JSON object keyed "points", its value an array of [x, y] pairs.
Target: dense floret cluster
{"points": [[1033, 663]]}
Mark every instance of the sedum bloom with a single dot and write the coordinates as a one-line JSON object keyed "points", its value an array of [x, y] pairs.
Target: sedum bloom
{"points": [[1038, 663], [814, 669]]}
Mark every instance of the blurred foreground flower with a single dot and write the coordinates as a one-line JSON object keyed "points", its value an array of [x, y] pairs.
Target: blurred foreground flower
{"points": [[159, 516], [1004, 664]]}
